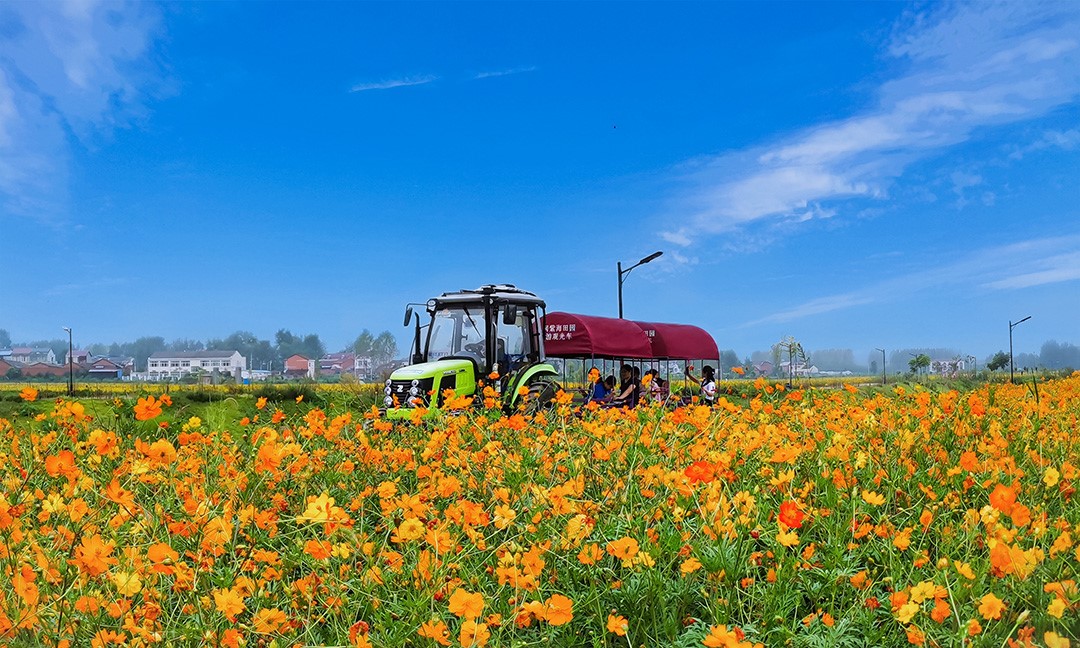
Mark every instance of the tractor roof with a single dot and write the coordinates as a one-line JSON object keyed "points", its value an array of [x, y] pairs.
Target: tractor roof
{"points": [[498, 293]]}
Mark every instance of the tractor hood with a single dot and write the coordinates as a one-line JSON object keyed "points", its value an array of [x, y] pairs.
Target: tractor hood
{"points": [[432, 369]]}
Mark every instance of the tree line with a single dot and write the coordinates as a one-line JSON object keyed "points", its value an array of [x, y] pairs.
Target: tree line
{"points": [[260, 353]]}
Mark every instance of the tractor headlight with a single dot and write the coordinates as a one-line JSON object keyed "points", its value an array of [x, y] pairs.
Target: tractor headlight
{"points": [[414, 391], [388, 381], [389, 402], [386, 390]]}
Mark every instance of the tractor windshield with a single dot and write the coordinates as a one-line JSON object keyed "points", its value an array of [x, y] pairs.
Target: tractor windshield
{"points": [[457, 330]]}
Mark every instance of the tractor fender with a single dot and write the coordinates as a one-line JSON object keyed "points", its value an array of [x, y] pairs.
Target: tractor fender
{"points": [[526, 377]]}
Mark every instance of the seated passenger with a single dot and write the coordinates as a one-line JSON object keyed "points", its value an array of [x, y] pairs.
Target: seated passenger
{"points": [[602, 390], [630, 389]]}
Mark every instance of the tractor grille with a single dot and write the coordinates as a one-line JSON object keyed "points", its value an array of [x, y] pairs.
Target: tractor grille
{"points": [[399, 389]]}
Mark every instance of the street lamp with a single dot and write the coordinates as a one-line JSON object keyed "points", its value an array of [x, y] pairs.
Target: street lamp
{"points": [[1013, 325], [975, 363], [623, 273], [884, 380], [71, 367]]}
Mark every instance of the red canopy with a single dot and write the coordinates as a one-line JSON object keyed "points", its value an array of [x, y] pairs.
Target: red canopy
{"points": [[679, 341], [567, 335]]}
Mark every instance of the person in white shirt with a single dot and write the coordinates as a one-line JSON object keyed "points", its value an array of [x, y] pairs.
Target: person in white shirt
{"points": [[707, 382]]}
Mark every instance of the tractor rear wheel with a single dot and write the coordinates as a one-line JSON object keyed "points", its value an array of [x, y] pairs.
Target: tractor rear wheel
{"points": [[542, 392]]}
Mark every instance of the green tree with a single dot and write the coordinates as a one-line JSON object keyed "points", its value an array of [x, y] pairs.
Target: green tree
{"points": [[364, 343], [729, 359], [141, 349], [793, 350], [920, 361], [384, 348], [999, 360], [5, 339]]}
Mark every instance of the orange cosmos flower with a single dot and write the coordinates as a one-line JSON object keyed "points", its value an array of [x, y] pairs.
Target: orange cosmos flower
{"points": [[617, 625], [147, 408], [466, 604], [269, 621], [229, 602], [1003, 498], [991, 607], [108, 638], [624, 548], [63, 463], [161, 452], [558, 610], [163, 557], [721, 637], [436, 631], [261, 403], [474, 634], [790, 515], [739, 370], [93, 556], [318, 549], [28, 394], [700, 471]]}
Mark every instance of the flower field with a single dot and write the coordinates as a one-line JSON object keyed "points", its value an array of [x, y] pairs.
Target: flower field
{"points": [[817, 517]]}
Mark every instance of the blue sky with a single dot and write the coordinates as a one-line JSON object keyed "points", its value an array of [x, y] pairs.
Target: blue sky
{"points": [[854, 175]]}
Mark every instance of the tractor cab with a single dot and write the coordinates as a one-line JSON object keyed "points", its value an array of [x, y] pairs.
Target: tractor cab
{"points": [[490, 335]]}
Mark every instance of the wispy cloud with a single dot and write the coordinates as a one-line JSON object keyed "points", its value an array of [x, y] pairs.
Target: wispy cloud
{"points": [[1066, 140], [969, 66], [395, 83], [67, 69], [1007, 267], [506, 72]]}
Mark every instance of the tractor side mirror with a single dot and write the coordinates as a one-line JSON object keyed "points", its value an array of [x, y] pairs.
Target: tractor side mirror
{"points": [[408, 315], [510, 315]]}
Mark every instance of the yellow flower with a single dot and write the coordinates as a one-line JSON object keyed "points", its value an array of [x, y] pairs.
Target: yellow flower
{"points": [[127, 583], [872, 498], [1054, 640], [907, 611], [1056, 607], [1051, 477]]}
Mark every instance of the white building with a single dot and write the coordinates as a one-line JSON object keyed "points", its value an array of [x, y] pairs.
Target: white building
{"points": [[177, 364]]}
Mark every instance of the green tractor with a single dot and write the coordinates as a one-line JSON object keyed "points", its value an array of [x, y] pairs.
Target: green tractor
{"points": [[489, 336]]}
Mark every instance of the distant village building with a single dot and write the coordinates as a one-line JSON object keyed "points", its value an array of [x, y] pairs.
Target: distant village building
{"points": [[345, 362], [78, 356], [948, 368], [335, 364], [30, 355], [179, 364], [297, 366], [109, 367]]}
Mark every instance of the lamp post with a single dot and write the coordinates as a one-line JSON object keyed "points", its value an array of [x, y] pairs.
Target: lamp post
{"points": [[884, 380], [1013, 325], [71, 367], [623, 273], [974, 363]]}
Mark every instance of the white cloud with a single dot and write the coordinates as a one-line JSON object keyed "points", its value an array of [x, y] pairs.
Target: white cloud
{"points": [[1015, 266], [395, 83], [1052, 269], [969, 66], [506, 72], [67, 70]]}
